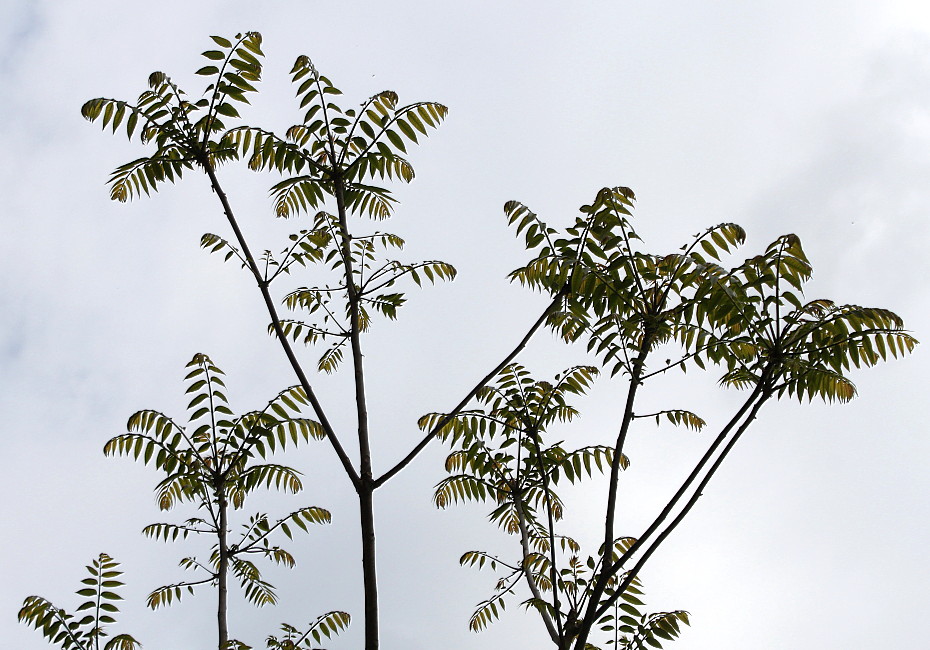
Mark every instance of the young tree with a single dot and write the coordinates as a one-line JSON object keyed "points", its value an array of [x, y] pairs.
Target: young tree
{"points": [[70, 633], [211, 464], [626, 305]]}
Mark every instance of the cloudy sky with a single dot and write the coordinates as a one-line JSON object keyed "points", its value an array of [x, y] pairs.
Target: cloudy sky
{"points": [[812, 118]]}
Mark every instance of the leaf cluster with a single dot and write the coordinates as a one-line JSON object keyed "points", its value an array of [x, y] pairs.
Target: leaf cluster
{"points": [[500, 452], [185, 133], [626, 304], [336, 151], [346, 259], [754, 321], [750, 319], [211, 463], [88, 626], [629, 628], [324, 627], [623, 300], [501, 455]]}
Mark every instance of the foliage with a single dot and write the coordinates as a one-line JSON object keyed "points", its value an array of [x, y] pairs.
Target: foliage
{"points": [[638, 314], [334, 152], [324, 627], [340, 149], [502, 456], [374, 281], [626, 305], [210, 463], [185, 134], [69, 632], [751, 321], [337, 153]]}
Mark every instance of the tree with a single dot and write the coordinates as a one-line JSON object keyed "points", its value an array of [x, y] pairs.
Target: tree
{"points": [[628, 306], [212, 467]]}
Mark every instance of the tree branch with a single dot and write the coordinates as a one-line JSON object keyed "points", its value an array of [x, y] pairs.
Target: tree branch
{"points": [[631, 575], [279, 332], [554, 634], [384, 478], [595, 608]]}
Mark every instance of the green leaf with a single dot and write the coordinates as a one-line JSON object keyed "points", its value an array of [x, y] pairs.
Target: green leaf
{"points": [[227, 109], [406, 129], [396, 140]]}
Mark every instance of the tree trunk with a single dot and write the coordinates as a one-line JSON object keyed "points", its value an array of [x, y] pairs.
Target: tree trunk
{"points": [[222, 570], [369, 568]]}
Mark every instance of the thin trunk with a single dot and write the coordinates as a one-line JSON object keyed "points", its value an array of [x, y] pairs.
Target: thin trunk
{"points": [[222, 571], [554, 634], [635, 373], [369, 568], [366, 483]]}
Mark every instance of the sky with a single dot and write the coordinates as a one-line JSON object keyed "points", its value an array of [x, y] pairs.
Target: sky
{"points": [[786, 117]]}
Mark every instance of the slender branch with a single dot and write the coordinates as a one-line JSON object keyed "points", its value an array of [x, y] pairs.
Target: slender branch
{"points": [[554, 634], [279, 331], [390, 266], [328, 311], [192, 583], [681, 361], [384, 478], [60, 614], [635, 373], [250, 547], [348, 138], [184, 436], [595, 608], [398, 114], [289, 260], [608, 571], [631, 575]]}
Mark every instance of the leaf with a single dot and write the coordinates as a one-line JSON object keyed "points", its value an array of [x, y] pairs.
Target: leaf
{"points": [[227, 110], [396, 140]]}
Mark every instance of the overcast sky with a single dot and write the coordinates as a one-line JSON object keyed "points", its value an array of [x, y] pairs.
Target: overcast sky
{"points": [[788, 116]]}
